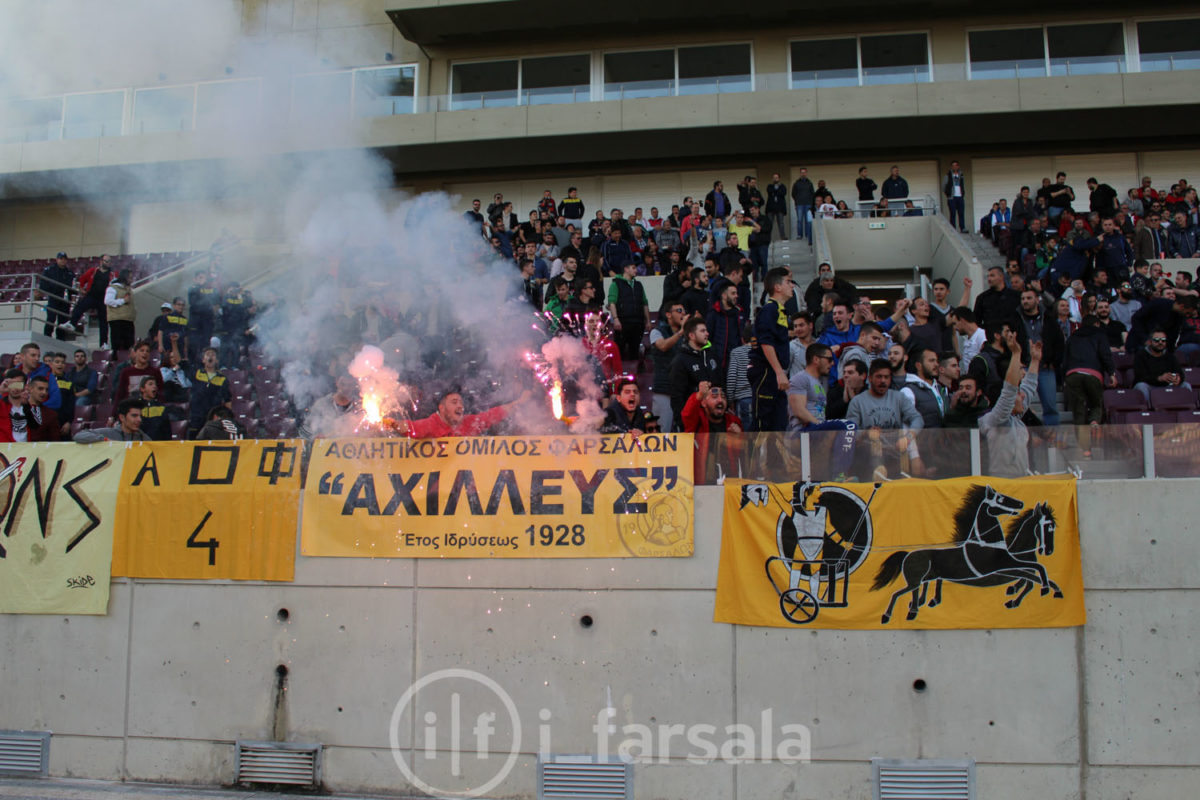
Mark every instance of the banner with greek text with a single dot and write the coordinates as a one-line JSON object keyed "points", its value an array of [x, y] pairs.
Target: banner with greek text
{"points": [[500, 497], [57, 505], [960, 553], [209, 510]]}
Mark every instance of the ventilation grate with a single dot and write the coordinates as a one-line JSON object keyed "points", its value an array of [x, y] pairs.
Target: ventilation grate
{"points": [[562, 776], [286, 763], [923, 779], [25, 753]]}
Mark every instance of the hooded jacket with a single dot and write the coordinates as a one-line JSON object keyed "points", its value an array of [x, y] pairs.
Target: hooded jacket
{"points": [[689, 368], [1088, 349]]}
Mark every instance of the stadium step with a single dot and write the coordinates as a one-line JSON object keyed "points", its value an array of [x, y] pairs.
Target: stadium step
{"points": [[983, 249], [796, 255]]}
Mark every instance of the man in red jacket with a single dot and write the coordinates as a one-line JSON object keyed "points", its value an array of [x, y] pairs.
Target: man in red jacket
{"points": [[705, 412], [450, 419]]}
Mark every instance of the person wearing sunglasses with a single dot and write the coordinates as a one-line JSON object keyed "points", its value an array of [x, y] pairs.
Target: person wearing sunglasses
{"points": [[1154, 366]]}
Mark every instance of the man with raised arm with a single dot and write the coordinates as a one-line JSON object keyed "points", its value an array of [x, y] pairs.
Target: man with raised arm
{"points": [[451, 418], [1005, 431]]}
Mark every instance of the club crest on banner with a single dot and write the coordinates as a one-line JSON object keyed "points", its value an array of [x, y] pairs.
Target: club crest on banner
{"points": [[846, 555]]}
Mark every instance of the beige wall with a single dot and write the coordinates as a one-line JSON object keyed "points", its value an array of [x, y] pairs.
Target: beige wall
{"points": [[160, 688], [41, 230]]}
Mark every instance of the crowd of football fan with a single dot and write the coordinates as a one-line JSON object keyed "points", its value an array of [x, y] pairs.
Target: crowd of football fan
{"points": [[1083, 304], [1083, 298], [167, 385]]}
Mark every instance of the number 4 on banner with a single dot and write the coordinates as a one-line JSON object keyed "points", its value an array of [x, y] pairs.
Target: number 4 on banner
{"points": [[211, 545]]}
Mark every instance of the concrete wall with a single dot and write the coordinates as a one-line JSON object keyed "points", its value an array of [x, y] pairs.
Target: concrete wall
{"points": [[160, 688], [902, 243], [39, 230]]}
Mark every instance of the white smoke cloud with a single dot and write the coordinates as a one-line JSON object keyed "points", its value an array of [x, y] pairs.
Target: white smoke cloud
{"points": [[450, 311]]}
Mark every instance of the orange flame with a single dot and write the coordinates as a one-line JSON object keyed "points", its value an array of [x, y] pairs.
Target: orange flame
{"points": [[556, 399], [371, 409]]}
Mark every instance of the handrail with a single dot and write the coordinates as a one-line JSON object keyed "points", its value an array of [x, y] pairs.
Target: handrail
{"points": [[216, 250], [924, 202], [26, 127]]}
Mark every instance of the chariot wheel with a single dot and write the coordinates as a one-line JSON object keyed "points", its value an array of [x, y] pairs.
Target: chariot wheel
{"points": [[799, 606]]}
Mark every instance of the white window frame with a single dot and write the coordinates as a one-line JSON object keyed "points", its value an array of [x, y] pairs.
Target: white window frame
{"points": [[354, 85], [1127, 59], [858, 37], [1133, 46], [520, 89], [133, 110], [125, 109], [674, 48]]}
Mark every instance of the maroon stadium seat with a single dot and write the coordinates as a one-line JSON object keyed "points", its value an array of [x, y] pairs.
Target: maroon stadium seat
{"points": [[1172, 398]]}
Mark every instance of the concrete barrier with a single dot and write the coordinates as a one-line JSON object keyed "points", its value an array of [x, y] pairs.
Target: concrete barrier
{"points": [[161, 687]]}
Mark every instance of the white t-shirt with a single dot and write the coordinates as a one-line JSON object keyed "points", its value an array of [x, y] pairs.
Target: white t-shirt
{"points": [[972, 345], [827, 210]]}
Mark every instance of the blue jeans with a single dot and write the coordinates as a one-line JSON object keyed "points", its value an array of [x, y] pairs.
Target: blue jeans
{"points": [[804, 218], [745, 411], [1047, 387], [957, 211], [759, 255], [1054, 212]]}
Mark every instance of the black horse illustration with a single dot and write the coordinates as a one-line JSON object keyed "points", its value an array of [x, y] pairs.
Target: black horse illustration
{"points": [[981, 554], [1030, 533]]}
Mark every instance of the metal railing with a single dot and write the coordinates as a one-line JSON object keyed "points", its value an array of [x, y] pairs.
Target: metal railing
{"points": [[26, 305], [911, 206], [51, 118], [1160, 450]]}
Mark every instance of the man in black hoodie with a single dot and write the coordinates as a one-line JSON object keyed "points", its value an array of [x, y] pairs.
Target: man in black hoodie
{"points": [[724, 325], [693, 364], [1089, 366]]}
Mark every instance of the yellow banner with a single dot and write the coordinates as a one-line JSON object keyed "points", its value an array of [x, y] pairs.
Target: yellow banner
{"points": [[963, 553], [500, 497], [209, 510], [56, 507]]}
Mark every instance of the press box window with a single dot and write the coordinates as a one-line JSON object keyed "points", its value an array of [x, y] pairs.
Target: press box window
{"points": [[895, 58], [1093, 49], [1169, 44], [646, 73], [385, 92], [90, 116], [824, 62], [1013, 53], [32, 120], [556, 79], [714, 68], [483, 84], [164, 110]]}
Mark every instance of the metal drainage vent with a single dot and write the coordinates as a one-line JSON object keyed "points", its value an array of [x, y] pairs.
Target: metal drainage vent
{"points": [[561, 776], [923, 779], [25, 753], [279, 763]]}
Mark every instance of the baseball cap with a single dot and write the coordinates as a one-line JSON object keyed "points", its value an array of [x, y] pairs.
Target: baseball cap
{"points": [[166, 305], [61, 255]]}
